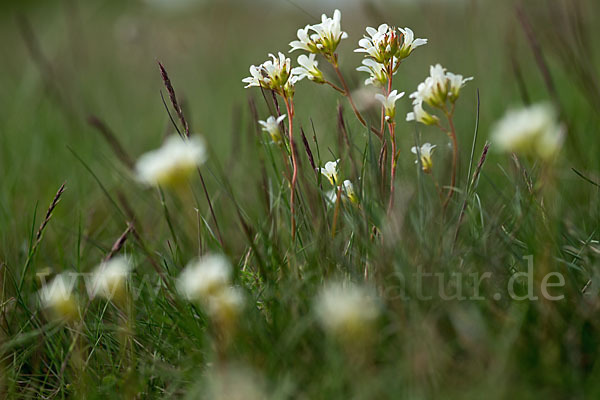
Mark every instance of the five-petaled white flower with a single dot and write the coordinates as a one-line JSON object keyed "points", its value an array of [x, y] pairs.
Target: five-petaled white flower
{"points": [[531, 131], [347, 311], [331, 171], [389, 103], [308, 69], [271, 126], [420, 115], [378, 76], [110, 278], [58, 297], [424, 152], [325, 38], [173, 162]]}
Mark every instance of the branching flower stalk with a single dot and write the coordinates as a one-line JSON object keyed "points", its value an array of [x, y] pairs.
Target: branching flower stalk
{"points": [[278, 76], [440, 90]]}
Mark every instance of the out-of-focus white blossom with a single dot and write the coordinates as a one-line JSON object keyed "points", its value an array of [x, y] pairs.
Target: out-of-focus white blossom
{"points": [[308, 69], [331, 172], [110, 278], [325, 38], [171, 164], [425, 152], [224, 306], [346, 311], [349, 191], [389, 103], [271, 126], [233, 382], [58, 298], [531, 131], [205, 277]]}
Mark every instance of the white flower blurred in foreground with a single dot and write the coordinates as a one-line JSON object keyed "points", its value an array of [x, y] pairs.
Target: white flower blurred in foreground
{"points": [[110, 278], [234, 382], [205, 277], [347, 311], [173, 163], [208, 282], [532, 131], [58, 299]]}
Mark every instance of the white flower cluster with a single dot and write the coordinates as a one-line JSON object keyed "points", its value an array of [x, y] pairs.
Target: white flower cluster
{"points": [[531, 131], [275, 74], [325, 37], [207, 280], [439, 87], [388, 44]]}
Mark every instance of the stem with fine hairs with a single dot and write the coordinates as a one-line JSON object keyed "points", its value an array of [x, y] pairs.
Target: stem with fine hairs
{"points": [[289, 105]]}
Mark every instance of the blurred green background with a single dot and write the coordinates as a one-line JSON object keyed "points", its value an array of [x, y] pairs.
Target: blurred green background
{"points": [[63, 61]]}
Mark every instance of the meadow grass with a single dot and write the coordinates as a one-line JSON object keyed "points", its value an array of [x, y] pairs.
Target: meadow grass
{"points": [[453, 285]]}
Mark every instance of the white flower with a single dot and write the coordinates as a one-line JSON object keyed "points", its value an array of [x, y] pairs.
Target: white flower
{"points": [[420, 115], [305, 42], [349, 191], [456, 82], [377, 44], [438, 87], [308, 69], [409, 43], [110, 278], [346, 311], [173, 162], [425, 152], [203, 278], [271, 126], [57, 296], [389, 103], [326, 37], [378, 76], [532, 131], [273, 74], [384, 43], [331, 171]]}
